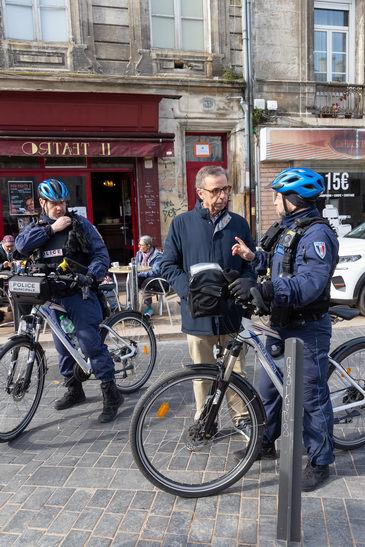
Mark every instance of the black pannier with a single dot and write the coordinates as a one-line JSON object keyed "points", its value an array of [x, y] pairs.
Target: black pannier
{"points": [[29, 289], [207, 291]]}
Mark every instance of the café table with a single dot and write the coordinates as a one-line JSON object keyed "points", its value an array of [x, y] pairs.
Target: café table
{"points": [[130, 271]]}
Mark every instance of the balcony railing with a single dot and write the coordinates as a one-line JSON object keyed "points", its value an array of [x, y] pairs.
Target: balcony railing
{"points": [[339, 101]]}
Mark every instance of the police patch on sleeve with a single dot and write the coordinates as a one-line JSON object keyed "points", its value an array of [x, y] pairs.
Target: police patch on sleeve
{"points": [[320, 248]]}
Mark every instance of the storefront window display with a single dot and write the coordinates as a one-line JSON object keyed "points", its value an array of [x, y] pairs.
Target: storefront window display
{"points": [[19, 198], [345, 193]]}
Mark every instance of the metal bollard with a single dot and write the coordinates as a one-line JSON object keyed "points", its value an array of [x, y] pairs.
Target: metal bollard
{"points": [[290, 478]]}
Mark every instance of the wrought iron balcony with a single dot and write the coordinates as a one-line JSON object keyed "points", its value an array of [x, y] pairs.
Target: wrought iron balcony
{"points": [[339, 101]]}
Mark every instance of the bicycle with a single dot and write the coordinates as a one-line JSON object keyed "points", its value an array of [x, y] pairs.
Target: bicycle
{"points": [[199, 458], [128, 335], [6, 302]]}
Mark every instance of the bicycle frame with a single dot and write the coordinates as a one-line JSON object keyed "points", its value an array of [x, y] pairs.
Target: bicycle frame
{"points": [[45, 312], [250, 334]]}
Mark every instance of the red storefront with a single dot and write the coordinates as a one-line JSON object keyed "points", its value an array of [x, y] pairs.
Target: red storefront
{"points": [[104, 146]]}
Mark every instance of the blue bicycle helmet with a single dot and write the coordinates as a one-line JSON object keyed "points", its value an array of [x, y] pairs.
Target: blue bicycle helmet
{"points": [[306, 183], [53, 190]]}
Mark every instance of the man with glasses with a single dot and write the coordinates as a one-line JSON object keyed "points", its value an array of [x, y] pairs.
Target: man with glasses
{"points": [[206, 234], [61, 234]]}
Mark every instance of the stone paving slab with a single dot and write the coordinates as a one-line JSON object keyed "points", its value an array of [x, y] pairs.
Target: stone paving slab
{"points": [[71, 481]]}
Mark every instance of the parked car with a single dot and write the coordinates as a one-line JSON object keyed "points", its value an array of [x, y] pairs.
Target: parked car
{"points": [[348, 281]]}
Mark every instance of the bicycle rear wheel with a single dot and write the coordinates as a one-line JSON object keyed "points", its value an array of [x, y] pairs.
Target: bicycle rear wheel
{"points": [[19, 399], [163, 446], [132, 345], [349, 424]]}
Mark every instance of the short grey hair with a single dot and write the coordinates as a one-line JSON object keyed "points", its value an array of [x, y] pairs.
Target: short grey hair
{"points": [[209, 171], [146, 240]]}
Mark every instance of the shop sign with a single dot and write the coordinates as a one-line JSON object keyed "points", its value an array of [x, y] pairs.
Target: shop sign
{"points": [[92, 148], [21, 198], [54, 148], [338, 185], [311, 144]]}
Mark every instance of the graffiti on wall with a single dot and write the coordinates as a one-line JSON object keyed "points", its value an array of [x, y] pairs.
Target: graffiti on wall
{"points": [[172, 207]]}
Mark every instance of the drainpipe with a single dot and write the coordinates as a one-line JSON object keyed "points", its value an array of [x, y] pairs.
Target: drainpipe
{"points": [[247, 107]]}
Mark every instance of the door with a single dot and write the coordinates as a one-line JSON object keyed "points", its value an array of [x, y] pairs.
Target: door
{"points": [[202, 150], [114, 216]]}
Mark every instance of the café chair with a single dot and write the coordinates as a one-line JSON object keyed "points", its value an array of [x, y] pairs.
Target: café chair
{"points": [[159, 287]]}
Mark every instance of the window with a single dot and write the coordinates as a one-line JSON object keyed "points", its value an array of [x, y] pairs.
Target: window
{"points": [[332, 47], [37, 20], [203, 148], [178, 24]]}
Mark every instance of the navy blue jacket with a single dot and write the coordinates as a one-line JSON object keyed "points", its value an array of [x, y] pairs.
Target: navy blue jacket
{"points": [[194, 238], [35, 236]]}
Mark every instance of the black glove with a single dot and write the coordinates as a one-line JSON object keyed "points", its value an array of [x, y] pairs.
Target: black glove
{"points": [[85, 280], [240, 289]]}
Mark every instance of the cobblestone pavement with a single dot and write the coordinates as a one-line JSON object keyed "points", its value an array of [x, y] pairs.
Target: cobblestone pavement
{"points": [[70, 481]]}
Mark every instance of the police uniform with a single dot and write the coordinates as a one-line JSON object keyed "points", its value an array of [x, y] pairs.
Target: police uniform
{"points": [[83, 243], [305, 294]]}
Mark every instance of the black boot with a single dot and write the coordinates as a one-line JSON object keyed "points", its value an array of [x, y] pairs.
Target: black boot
{"points": [[267, 452], [73, 396], [314, 476], [112, 399]]}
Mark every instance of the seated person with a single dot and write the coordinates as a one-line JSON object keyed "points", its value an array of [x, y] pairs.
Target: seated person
{"points": [[8, 252], [148, 255]]}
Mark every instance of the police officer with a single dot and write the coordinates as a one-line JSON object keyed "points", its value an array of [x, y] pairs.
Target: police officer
{"points": [[61, 234], [302, 252]]}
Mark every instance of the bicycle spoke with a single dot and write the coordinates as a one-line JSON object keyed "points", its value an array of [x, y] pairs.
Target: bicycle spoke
{"points": [[173, 453], [349, 423]]}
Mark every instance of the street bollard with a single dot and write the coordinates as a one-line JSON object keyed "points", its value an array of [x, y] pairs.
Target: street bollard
{"points": [[290, 478]]}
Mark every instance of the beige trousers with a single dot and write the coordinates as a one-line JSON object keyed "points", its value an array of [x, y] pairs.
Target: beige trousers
{"points": [[201, 351]]}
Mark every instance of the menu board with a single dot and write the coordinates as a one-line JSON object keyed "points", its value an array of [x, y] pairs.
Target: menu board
{"points": [[150, 203], [21, 197]]}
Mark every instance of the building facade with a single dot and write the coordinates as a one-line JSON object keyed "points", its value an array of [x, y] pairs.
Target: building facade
{"points": [[309, 100], [124, 100]]}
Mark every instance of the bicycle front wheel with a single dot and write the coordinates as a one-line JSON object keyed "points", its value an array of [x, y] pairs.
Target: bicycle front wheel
{"points": [[132, 344], [22, 374], [162, 435], [349, 423]]}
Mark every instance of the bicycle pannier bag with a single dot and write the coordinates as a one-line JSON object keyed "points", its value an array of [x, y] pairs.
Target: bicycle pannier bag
{"points": [[207, 290], [29, 289]]}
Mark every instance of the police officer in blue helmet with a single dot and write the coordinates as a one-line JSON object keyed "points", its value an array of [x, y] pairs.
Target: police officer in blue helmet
{"points": [[301, 251], [61, 234]]}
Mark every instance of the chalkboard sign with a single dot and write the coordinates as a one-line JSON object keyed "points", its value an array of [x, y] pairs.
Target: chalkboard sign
{"points": [[21, 197]]}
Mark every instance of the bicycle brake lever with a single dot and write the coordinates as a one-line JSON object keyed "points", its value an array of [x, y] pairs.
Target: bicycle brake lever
{"points": [[258, 301]]}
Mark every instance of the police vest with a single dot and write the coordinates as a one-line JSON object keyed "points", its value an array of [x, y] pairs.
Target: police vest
{"points": [[52, 253], [289, 239]]}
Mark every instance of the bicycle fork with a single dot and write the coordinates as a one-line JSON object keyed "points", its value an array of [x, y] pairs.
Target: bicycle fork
{"points": [[219, 388], [20, 385]]}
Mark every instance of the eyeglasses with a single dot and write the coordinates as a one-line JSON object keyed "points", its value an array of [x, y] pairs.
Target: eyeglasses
{"points": [[217, 191]]}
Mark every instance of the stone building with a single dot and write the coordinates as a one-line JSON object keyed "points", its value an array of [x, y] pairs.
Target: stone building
{"points": [[124, 100], [308, 57]]}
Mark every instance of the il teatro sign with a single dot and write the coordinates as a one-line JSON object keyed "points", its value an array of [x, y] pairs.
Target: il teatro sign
{"points": [[60, 148]]}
